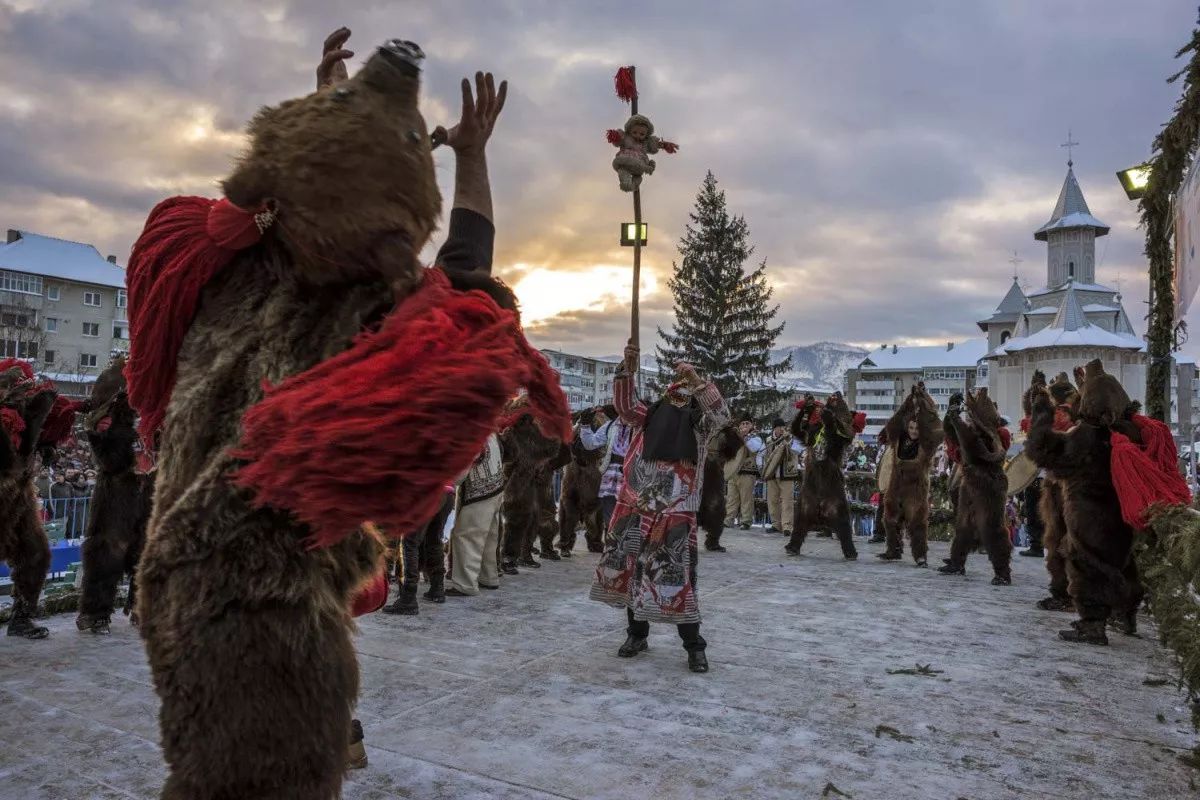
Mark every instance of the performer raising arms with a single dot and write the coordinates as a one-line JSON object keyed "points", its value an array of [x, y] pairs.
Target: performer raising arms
{"points": [[649, 562], [915, 433]]}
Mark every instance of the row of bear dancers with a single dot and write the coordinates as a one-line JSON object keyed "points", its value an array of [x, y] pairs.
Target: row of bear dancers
{"points": [[35, 420]]}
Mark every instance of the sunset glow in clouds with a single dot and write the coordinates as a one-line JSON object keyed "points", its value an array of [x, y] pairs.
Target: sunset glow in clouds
{"points": [[887, 157]]}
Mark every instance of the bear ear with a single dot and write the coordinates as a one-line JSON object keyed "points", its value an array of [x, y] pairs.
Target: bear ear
{"points": [[248, 186]]}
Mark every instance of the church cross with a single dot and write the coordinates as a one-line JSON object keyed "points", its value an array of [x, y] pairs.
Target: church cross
{"points": [[1015, 260], [1070, 144]]}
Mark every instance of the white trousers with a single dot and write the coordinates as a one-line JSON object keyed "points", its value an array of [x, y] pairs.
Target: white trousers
{"points": [[473, 545]]}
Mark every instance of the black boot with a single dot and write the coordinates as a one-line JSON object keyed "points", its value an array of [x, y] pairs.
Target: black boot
{"points": [[633, 645], [877, 538], [1002, 579], [21, 623], [951, 569], [697, 661], [795, 542], [890, 555], [93, 623], [1086, 632], [1053, 603], [1125, 622], [405, 603], [529, 561], [550, 554], [437, 589], [509, 567], [1033, 552]]}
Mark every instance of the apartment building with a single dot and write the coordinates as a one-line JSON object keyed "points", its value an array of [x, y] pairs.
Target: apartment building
{"points": [[62, 307], [879, 384]]}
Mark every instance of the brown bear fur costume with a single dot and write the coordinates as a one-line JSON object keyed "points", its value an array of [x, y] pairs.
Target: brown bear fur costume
{"points": [[526, 453], [722, 447], [244, 608], [979, 513], [1102, 577], [1050, 502], [826, 432], [120, 506], [579, 499], [24, 407], [906, 498]]}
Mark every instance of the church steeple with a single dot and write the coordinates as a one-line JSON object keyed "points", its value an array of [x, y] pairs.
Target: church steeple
{"points": [[1071, 235]]}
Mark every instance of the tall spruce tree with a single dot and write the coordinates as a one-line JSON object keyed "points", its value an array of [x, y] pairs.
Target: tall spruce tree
{"points": [[723, 316]]}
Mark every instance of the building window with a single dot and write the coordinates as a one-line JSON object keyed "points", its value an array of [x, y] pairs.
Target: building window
{"points": [[1004, 336], [48, 356], [11, 348], [122, 298], [87, 360], [20, 282], [15, 320], [1070, 269], [118, 331], [91, 299], [51, 324], [91, 329], [52, 292]]}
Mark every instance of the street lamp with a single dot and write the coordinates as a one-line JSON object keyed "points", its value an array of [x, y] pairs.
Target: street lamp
{"points": [[631, 236], [1134, 180]]}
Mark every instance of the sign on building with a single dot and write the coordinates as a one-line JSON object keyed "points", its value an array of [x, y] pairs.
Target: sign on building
{"points": [[1187, 248]]}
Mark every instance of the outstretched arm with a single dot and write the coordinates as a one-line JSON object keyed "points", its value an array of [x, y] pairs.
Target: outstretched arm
{"points": [[631, 409], [1050, 449]]}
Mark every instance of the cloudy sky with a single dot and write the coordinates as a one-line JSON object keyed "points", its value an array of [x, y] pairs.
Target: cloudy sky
{"points": [[888, 157]]}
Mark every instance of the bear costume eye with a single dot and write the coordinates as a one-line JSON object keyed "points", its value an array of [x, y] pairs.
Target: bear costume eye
{"points": [[342, 93], [414, 136]]}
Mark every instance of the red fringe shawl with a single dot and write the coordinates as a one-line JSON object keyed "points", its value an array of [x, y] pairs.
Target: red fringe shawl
{"points": [[373, 433], [185, 242], [60, 420], [1148, 473], [625, 84], [13, 425]]}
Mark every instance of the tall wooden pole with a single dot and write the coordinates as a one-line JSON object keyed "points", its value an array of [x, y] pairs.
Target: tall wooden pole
{"points": [[635, 320]]}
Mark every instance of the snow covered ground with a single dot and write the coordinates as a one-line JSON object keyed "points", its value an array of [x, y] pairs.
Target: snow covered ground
{"points": [[519, 694]]}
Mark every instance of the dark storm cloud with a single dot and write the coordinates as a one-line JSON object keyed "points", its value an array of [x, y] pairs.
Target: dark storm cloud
{"points": [[887, 156]]}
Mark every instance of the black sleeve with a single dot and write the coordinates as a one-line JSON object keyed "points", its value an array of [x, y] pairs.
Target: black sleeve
{"points": [[469, 243]]}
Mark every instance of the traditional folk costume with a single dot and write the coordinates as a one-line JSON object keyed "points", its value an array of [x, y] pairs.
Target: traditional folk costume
{"points": [[781, 470], [476, 533], [614, 436], [649, 561]]}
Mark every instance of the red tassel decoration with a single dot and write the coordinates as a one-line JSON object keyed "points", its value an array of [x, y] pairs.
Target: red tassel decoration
{"points": [[372, 596], [1005, 438], [186, 241], [669, 147], [9, 363], [615, 137], [12, 424], [860, 421], [1025, 424], [952, 452], [1141, 480], [626, 85], [59, 423], [409, 405]]}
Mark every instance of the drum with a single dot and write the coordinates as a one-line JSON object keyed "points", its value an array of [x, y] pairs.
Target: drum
{"points": [[886, 465], [1020, 471]]}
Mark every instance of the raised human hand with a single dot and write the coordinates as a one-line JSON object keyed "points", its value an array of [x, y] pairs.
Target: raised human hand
{"points": [[688, 373], [633, 356], [332, 69], [479, 114]]}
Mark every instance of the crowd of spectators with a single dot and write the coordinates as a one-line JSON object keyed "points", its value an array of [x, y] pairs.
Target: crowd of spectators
{"points": [[65, 484]]}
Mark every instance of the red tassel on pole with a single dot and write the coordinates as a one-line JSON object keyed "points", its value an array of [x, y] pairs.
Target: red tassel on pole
{"points": [[626, 85], [614, 136]]}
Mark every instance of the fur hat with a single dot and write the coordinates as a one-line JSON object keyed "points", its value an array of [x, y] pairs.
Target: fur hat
{"points": [[638, 119], [1103, 400]]}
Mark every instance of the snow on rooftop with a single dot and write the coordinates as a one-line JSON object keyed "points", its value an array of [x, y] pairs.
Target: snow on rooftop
{"points": [[1071, 210], [963, 354], [1079, 287], [1084, 336], [1043, 310], [60, 258]]}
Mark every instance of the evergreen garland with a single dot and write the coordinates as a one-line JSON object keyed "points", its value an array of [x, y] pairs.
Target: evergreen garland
{"points": [[1173, 150], [723, 320]]}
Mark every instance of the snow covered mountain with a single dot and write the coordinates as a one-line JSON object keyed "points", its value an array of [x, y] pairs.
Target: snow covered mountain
{"points": [[817, 366]]}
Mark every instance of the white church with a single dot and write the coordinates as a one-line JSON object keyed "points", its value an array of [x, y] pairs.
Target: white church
{"points": [[1069, 321]]}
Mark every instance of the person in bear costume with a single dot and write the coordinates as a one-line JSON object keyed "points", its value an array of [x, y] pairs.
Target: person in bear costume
{"points": [[1046, 491], [826, 430], [915, 431], [32, 416], [527, 451], [579, 498], [1088, 461], [120, 506], [309, 377], [981, 441], [722, 447]]}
